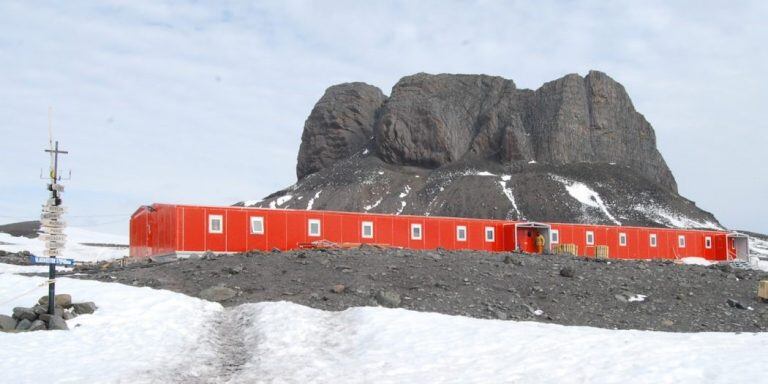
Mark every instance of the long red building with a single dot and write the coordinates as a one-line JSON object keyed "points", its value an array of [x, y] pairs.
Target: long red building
{"points": [[164, 229]]}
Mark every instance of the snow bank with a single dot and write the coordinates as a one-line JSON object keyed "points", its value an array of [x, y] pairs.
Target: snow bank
{"points": [[141, 335], [296, 344], [74, 249], [134, 333], [696, 261]]}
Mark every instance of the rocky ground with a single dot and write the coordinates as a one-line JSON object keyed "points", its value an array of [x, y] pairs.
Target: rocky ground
{"points": [[647, 295]]}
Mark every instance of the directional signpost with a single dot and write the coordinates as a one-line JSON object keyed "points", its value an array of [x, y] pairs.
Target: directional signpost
{"points": [[52, 227]]}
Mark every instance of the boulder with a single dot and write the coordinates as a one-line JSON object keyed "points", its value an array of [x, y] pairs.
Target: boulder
{"points": [[388, 298], [57, 323], [41, 309], [21, 313], [567, 272], [7, 323], [61, 300], [23, 325], [83, 308], [218, 293], [37, 325]]}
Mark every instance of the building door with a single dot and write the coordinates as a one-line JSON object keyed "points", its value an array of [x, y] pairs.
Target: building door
{"points": [[526, 238]]}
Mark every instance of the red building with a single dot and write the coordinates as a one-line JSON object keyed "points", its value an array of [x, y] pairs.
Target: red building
{"points": [[163, 229]]}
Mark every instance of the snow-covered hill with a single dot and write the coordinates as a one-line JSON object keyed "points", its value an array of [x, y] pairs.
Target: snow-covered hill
{"points": [[142, 335]]}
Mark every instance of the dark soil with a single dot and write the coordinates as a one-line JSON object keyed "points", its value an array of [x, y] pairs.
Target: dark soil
{"points": [[553, 289]]}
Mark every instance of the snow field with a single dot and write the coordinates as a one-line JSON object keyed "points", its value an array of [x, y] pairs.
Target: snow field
{"points": [[133, 332], [302, 345], [143, 335]]}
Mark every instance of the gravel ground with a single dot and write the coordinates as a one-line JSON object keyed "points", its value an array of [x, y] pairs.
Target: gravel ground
{"points": [[553, 289]]}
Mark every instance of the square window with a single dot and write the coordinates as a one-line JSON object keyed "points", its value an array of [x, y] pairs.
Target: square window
{"points": [[490, 234], [367, 230], [461, 233], [681, 241], [554, 236], [590, 238], [257, 225], [652, 240], [416, 231], [623, 239], [215, 224], [708, 242], [314, 227]]}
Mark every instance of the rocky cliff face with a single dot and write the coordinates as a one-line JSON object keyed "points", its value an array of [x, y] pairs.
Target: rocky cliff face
{"points": [[477, 146]]}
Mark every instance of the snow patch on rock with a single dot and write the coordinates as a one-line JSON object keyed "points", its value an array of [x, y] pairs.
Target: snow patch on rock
{"points": [[374, 205], [663, 215], [312, 200], [586, 196], [280, 201]]}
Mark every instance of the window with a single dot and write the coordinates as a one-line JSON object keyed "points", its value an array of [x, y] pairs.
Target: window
{"points": [[623, 239], [215, 224], [590, 238], [461, 233], [652, 240], [490, 234], [681, 241], [257, 225], [708, 242], [554, 236], [416, 231], [314, 227], [367, 230]]}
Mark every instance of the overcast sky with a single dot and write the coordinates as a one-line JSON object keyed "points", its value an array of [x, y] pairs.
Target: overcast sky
{"points": [[204, 102]]}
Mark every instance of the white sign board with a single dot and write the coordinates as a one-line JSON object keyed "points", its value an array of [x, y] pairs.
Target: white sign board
{"points": [[52, 252], [52, 231], [55, 244], [53, 237], [53, 223], [54, 208], [51, 215]]}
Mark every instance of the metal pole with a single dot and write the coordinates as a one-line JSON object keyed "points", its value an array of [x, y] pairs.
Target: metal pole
{"points": [[52, 267]]}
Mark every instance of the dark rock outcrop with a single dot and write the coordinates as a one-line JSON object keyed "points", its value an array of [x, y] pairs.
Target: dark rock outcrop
{"points": [[574, 150], [340, 124]]}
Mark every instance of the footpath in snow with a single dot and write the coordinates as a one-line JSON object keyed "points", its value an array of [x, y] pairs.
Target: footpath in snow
{"points": [[142, 335]]}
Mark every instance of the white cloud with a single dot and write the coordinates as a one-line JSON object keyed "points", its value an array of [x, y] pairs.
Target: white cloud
{"points": [[204, 103]]}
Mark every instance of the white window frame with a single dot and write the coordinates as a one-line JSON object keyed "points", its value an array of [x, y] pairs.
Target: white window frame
{"points": [[653, 240], [554, 236], [459, 228], [590, 234], [365, 224], [211, 219], [708, 242], [309, 228], [421, 231], [681, 241], [622, 239], [257, 219], [492, 231]]}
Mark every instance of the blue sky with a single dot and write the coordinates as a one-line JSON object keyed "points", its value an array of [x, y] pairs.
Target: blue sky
{"points": [[204, 102]]}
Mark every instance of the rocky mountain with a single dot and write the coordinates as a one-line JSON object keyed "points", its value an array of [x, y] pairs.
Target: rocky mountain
{"points": [[574, 150]]}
